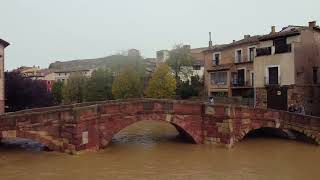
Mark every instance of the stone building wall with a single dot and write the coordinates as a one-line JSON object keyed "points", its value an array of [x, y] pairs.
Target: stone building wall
{"points": [[306, 96], [261, 97]]}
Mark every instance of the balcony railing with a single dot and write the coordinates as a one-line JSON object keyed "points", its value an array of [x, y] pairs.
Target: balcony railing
{"points": [[215, 62], [235, 83], [272, 83]]}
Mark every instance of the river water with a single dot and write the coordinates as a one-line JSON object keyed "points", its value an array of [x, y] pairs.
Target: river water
{"points": [[150, 150]]}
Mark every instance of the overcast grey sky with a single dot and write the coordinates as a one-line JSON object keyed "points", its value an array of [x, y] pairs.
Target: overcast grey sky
{"points": [[43, 31]]}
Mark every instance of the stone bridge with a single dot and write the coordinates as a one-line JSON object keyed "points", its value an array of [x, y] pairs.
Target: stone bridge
{"points": [[91, 126]]}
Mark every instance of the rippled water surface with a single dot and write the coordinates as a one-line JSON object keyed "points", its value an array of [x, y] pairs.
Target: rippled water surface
{"points": [[150, 150]]}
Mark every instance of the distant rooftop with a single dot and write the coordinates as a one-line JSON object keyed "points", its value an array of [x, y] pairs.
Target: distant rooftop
{"points": [[4, 43]]}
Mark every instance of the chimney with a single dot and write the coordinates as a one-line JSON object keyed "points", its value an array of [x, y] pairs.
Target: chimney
{"points": [[187, 46], [273, 29], [246, 36], [312, 24], [210, 41]]}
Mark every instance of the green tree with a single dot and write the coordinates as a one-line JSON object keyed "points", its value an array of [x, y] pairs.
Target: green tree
{"points": [[162, 83], [73, 91], [180, 59], [99, 86], [57, 92], [127, 84], [191, 88]]}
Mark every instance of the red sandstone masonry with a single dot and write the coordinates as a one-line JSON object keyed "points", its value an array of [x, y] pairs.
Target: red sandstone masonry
{"points": [[92, 125]]}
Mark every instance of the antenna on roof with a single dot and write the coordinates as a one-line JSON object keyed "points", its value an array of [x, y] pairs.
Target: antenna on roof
{"points": [[210, 41]]}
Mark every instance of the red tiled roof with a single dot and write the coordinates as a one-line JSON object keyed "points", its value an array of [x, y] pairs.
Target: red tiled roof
{"points": [[288, 31], [252, 39], [283, 33], [197, 50]]}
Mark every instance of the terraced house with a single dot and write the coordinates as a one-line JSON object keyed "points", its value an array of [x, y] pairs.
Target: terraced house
{"points": [[287, 69], [278, 70], [229, 68]]}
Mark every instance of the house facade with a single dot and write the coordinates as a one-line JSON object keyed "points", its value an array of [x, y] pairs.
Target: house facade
{"points": [[287, 69], [198, 66], [229, 68], [3, 45], [64, 75], [197, 69]]}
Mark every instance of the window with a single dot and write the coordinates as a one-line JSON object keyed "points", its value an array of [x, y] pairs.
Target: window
{"points": [[238, 56], [315, 75], [234, 76], [281, 46], [241, 77], [264, 51], [216, 59], [251, 54], [252, 79], [219, 78], [273, 76]]}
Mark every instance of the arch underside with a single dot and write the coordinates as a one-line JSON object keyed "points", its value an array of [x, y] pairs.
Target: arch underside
{"points": [[185, 128], [42, 137], [293, 133]]}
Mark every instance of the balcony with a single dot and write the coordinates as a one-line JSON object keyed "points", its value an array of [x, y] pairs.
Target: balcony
{"points": [[240, 84]]}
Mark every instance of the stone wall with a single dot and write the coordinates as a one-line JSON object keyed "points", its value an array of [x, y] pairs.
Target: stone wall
{"points": [[261, 97], [306, 96]]}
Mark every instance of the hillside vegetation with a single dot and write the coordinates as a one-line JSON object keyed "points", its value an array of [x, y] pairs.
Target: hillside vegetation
{"points": [[114, 62]]}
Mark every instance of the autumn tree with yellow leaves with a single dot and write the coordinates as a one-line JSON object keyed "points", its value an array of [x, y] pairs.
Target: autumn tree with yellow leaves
{"points": [[162, 83], [127, 84]]}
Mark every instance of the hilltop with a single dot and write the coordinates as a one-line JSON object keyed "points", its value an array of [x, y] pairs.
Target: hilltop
{"points": [[112, 61]]}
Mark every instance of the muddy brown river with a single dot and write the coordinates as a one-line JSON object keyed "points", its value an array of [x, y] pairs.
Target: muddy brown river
{"points": [[151, 150]]}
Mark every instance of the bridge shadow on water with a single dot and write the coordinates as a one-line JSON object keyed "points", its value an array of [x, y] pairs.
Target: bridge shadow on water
{"points": [[20, 144], [280, 134], [148, 133]]}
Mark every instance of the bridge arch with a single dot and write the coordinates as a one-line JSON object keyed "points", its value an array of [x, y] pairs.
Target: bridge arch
{"points": [[188, 129], [40, 137], [291, 132]]}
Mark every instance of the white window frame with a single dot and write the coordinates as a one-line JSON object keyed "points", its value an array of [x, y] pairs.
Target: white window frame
{"points": [[254, 53], [236, 55], [267, 73], [217, 84], [214, 56]]}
